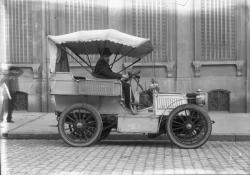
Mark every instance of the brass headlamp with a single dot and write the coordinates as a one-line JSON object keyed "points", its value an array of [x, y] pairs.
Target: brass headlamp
{"points": [[200, 97]]}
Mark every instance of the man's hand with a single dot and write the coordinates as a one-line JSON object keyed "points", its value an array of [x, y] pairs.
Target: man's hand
{"points": [[124, 77]]}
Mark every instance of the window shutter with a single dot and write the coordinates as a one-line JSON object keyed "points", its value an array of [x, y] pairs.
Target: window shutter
{"points": [[218, 30], [18, 18], [151, 20], [85, 15]]}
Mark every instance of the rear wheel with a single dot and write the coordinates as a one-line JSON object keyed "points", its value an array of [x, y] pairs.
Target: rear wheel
{"points": [[189, 126], [80, 125]]}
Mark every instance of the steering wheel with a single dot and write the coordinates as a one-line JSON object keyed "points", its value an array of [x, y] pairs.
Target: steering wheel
{"points": [[132, 75], [136, 77]]}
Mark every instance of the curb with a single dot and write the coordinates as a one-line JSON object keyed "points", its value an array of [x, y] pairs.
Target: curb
{"points": [[126, 137], [31, 136]]}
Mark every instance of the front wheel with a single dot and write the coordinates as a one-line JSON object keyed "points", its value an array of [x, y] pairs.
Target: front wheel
{"points": [[80, 125], [189, 126]]}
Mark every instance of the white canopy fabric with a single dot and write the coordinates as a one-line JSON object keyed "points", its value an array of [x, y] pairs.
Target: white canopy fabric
{"points": [[93, 42]]}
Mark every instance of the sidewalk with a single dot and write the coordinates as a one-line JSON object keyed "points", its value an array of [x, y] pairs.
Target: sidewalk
{"points": [[31, 125]]}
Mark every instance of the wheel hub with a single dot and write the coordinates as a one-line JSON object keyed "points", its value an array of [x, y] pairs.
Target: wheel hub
{"points": [[80, 125], [188, 125]]}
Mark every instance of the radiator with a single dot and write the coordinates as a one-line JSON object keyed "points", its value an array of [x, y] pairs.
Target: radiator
{"points": [[165, 103]]}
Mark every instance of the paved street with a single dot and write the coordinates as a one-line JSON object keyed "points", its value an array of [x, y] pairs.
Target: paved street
{"points": [[55, 157]]}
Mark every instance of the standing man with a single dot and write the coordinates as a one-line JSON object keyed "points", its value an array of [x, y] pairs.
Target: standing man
{"points": [[4, 94], [11, 81], [102, 68]]}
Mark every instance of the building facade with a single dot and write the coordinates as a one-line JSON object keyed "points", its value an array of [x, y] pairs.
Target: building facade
{"points": [[198, 44]]}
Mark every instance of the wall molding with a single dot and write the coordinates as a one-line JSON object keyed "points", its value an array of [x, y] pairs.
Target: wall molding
{"points": [[238, 63], [168, 65], [34, 67]]}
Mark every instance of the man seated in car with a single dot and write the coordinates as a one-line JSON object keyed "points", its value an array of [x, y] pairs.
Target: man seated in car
{"points": [[103, 70]]}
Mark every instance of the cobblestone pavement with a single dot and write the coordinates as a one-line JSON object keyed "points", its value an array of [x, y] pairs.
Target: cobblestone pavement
{"points": [[55, 157]]}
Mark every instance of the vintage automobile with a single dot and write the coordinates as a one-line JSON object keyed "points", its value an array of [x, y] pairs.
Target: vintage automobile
{"points": [[89, 108]]}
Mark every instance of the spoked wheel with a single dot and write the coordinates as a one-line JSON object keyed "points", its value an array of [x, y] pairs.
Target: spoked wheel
{"points": [[80, 125], [189, 126]]}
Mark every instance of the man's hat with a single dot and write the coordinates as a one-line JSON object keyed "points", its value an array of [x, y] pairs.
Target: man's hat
{"points": [[106, 51], [11, 71], [14, 71]]}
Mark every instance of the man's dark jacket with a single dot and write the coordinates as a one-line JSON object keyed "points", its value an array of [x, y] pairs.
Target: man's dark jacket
{"points": [[102, 70]]}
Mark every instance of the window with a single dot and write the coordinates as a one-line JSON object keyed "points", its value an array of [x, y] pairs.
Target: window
{"points": [[82, 15], [218, 30], [154, 19], [218, 25], [18, 18]]}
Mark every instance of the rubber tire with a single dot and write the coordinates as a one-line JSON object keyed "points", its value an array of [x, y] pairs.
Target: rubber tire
{"points": [[196, 108], [95, 114]]}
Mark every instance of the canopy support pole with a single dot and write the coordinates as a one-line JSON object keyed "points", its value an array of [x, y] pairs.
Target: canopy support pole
{"points": [[76, 59], [84, 46], [130, 65], [111, 65], [79, 56]]}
